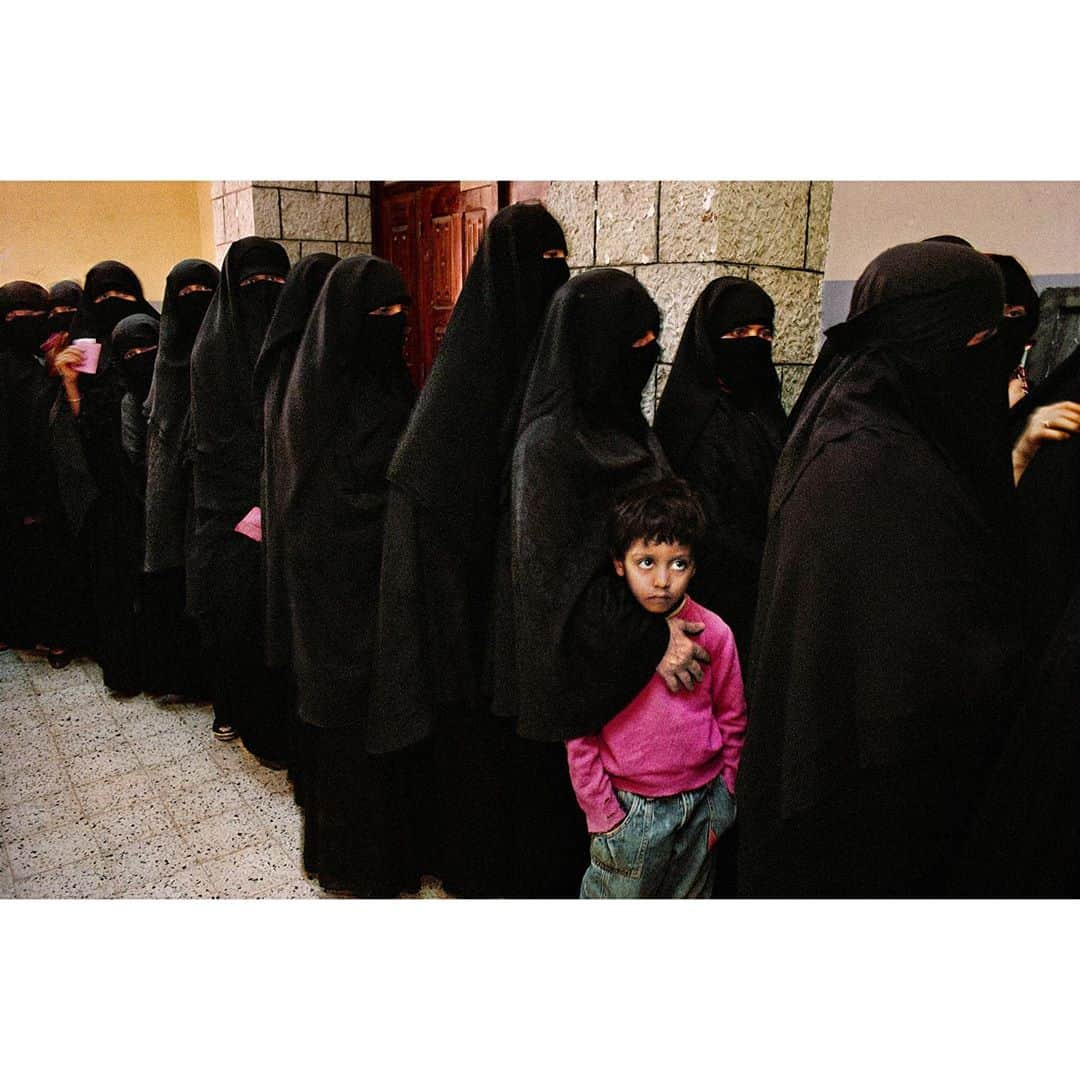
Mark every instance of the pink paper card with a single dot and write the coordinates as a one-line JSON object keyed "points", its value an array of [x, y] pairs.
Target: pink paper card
{"points": [[251, 525], [91, 351]]}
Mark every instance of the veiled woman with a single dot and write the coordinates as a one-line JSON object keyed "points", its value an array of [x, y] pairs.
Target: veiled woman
{"points": [[722, 427], [170, 523], [584, 646], [883, 674], [271, 380], [348, 399], [88, 448], [447, 484], [224, 566]]}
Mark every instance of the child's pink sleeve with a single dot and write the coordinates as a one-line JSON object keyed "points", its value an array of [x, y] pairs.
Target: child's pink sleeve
{"points": [[592, 785], [729, 707]]}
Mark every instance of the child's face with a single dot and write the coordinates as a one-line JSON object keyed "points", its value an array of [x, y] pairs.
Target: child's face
{"points": [[658, 574]]}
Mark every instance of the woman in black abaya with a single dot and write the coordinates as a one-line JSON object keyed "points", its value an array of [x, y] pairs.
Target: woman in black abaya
{"points": [[89, 454], [584, 645], [24, 410], [883, 675], [347, 402], [271, 380], [447, 480], [225, 568], [722, 427], [170, 523]]}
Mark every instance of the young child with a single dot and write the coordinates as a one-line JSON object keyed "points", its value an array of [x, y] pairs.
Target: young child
{"points": [[657, 783]]}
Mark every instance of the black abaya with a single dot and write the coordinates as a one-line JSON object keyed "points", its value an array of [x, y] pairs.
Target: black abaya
{"points": [[448, 489], [722, 427], [347, 402], [882, 675], [224, 567]]}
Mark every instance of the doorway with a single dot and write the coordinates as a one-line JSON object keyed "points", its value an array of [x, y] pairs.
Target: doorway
{"points": [[430, 230]]}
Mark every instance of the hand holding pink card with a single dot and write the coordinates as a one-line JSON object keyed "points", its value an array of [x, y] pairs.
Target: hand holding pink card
{"points": [[251, 525], [91, 351]]}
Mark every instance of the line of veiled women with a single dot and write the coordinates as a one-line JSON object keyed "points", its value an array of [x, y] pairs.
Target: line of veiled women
{"points": [[407, 600]]}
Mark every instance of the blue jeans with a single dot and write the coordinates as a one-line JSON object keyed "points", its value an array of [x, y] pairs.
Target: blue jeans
{"points": [[662, 848]]}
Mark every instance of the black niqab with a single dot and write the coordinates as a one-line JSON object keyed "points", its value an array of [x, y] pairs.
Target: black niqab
{"points": [[272, 372], [1016, 331], [64, 299], [449, 481], [584, 645], [168, 438], [226, 411], [347, 403], [722, 426], [882, 673]]}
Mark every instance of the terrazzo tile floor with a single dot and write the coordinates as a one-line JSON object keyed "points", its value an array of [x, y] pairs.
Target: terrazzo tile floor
{"points": [[103, 797]]}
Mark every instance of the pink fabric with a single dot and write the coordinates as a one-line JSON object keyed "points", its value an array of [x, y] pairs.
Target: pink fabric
{"points": [[250, 525], [663, 743]]}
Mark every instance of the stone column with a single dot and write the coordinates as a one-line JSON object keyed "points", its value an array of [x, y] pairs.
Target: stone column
{"points": [[304, 215], [676, 236]]}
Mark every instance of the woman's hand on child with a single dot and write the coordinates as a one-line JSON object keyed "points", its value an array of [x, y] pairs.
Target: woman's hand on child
{"points": [[1051, 423], [681, 664]]}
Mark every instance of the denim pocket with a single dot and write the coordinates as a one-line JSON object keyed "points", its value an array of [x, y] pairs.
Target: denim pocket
{"points": [[721, 807], [622, 850]]}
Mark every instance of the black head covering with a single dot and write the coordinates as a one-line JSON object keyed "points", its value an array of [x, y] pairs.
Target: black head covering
{"points": [[226, 412], [136, 372], [721, 425], [580, 445], [450, 480], [463, 426], [948, 238], [168, 479], [23, 398], [25, 333], [64, 299], [97, 320], [272, 372], [348, 399], [1017, 331], [704, 361], [885, 635]]}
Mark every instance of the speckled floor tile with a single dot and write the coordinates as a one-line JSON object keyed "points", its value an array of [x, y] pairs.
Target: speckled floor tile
{"points": [[235, 829], [7, 883], [40, 815], [48, 681], [120, 828], [77, 710], [32, 744], [74, 743], [253, 872], [231, 757], [14, 683], [115, 791], [256, 782], [21, 715], [295, 890], [28, 784], [192, 884], [164, 747], [209, 799], [146, 862], [86, 879], [58, 847], [101, 764], [185, 773]]}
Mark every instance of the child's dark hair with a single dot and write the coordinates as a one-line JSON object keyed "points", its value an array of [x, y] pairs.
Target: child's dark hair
{"points": [[661, 512]]}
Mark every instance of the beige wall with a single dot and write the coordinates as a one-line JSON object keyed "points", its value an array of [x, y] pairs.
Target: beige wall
{"points": [[59, 229], [1038, 222]]}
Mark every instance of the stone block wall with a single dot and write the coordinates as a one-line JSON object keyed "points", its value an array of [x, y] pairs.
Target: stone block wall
{"points": [[304, 215], [676, 236]]}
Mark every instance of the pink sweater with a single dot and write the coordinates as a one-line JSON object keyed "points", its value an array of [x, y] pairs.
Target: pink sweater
{"points": [[664, 743]]}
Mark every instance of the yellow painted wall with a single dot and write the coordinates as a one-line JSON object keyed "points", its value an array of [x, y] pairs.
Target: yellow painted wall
{"points": [[58, 229]]}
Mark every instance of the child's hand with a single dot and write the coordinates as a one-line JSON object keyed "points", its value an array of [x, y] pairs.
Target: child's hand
{"points": [[681, 664]]}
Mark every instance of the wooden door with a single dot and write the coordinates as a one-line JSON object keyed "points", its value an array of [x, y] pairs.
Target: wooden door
{"points": [[430, 232]]}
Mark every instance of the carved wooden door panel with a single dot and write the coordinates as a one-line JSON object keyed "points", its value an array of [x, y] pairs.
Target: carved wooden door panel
{"points": [[430, 232]]}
